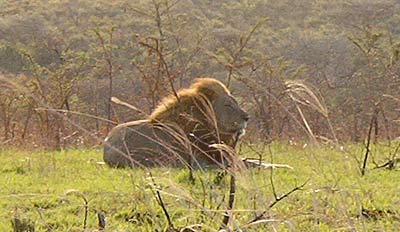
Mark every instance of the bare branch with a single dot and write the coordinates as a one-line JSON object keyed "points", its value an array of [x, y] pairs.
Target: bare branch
{"points": [[161, 202], [367, 146], [278, 199]]}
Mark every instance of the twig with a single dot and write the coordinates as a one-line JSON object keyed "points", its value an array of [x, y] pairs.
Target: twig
{"points": [[392, 160], [73, 112], [243, 43], [49, 228], [161, 203], [367, 151], [85, 200], [86, 215], [231, 199], [108, 57], [278, 199], [163, 62], [390, 164], [232, 189], [271, 177], [102, 220], [120, 102]]}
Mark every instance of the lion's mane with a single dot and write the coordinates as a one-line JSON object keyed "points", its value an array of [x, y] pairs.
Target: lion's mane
{"points": [[172, 105]]}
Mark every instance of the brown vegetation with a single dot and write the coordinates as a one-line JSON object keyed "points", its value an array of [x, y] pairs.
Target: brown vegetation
{"points": [[333, 63]]}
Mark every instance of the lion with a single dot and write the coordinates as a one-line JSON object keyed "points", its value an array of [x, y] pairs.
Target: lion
{"points": [[181, 130]]}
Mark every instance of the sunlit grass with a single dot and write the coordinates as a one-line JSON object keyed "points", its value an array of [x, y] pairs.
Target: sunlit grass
{"points": [[49, 188]]}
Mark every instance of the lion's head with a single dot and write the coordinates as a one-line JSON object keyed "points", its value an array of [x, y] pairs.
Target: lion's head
{"points": [[230, 117]]}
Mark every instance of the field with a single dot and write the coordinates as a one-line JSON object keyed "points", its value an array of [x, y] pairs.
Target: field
{"points": [[67, 190], [323, 71]]}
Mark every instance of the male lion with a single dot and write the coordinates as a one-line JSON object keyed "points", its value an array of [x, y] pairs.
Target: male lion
{"points": [[180, 130]]}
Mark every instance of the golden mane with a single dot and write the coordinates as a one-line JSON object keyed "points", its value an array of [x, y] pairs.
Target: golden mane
{"points": [[202, 86]]}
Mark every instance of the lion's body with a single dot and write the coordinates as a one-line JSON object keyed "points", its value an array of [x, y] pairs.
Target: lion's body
{"points": [[180, 129]]}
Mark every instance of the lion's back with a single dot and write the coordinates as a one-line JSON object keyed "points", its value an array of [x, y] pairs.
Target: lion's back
{"points": [[143, 143]]}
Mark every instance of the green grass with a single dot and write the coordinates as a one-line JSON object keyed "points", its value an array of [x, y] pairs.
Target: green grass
{"points": [[48, 189]]}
